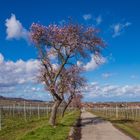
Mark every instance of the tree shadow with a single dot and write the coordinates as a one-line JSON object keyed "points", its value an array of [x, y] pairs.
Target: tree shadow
{"points": [[92, 120], [77, 134], [86, 121]]}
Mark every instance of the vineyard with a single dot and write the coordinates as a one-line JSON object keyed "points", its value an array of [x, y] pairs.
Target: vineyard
{"points": [[24, 112], [126, 113]]}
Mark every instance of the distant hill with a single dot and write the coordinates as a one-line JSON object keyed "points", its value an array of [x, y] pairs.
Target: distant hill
{"points": [[18, 99]]}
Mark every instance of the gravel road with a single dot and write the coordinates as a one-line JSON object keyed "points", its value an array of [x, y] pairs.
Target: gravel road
{"points": [[95, 128]]}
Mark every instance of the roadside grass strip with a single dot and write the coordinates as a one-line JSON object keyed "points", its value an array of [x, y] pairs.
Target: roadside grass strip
{"points": [[60, 132]]}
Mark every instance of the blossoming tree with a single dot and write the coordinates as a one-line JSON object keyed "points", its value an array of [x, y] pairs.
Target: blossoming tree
{"points": [[59, 48]]}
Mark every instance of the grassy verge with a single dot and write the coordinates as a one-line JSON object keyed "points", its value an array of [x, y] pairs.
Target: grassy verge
{"points": [[16, 128], [60, 132], [129, 127], [38, 129]]}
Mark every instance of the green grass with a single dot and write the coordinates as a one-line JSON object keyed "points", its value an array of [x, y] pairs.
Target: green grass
{"points": [[38, 129], [16, 128], [60, 132], [129, 127]]}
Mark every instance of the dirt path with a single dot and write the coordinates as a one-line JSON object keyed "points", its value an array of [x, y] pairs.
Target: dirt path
{"points": [[94, 128]]}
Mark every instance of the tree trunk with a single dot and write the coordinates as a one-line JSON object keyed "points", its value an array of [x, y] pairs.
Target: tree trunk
{"points": [[66, 106], [64, 109], [52, 120]]}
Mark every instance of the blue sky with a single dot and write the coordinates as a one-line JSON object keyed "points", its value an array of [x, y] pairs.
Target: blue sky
{"points": [[117, 79]]}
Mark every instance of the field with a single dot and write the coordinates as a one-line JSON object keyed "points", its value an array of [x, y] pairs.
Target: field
{"points": [[125, 119], [26, 120], [38, 128]]}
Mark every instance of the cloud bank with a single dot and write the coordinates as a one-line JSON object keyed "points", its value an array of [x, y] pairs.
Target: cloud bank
{"points": [[17, 73], [18, 79], [121, 92]]}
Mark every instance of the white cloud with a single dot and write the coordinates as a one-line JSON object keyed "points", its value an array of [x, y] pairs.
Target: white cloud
{"points": [[106, 75], [87, 16], [15, 30], [119, 28], [98, 19], [55, 66], [19, 79], [111, 91], [127, 24], [79, 63], [1, 58], [19, 72], [52, 56], [27, 91], [94, 63]]}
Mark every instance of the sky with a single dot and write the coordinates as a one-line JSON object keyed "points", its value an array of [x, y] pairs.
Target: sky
{"points": [[117, 78]]}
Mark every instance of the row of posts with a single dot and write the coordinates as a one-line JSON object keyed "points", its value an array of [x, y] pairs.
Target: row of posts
{"points": [[127, 113], [24, 108]]}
